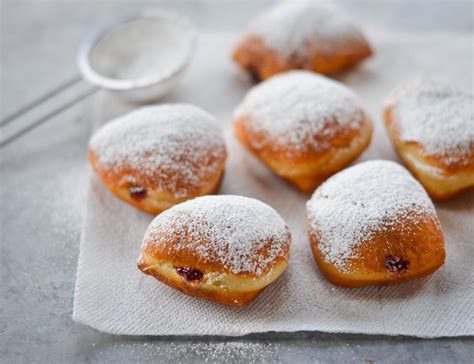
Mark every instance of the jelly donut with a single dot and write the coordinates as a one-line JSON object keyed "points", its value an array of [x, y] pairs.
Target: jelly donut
{"points": [[303, 126], [431, 125], [226, 249], [373, 223], [314, 37], [158, 156]]}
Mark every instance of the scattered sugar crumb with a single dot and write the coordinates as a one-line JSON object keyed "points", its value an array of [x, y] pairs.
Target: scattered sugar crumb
{"points": [[210, 352]]}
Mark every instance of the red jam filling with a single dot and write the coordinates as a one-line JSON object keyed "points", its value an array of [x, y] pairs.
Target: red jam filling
{"points": [[396, 264], [252, 70], [137, 192], [190, 274]]}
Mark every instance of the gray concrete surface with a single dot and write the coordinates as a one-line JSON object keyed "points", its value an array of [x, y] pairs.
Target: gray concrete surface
{"points": [[43, 181]]}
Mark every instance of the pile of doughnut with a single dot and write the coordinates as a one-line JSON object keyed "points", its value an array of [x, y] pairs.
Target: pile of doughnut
{"points": [[373, 223]]}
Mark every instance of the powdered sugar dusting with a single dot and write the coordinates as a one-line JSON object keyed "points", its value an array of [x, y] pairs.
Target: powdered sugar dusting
{"points": [[234, 228], [177, 142], [351, 206], [250, 351], [291, 28], [291, 108], [437, 115]]}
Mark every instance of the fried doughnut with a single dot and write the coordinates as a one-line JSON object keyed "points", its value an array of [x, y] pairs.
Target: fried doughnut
{"points": [[226, 249], [373, 223], [303, 126], [307, 36], [431, 125], [158, 156]]}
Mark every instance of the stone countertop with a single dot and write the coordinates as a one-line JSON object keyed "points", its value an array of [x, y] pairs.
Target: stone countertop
{"points": [[44, 178]]}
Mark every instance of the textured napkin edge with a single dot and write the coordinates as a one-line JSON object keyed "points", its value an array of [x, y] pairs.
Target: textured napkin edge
{"points": [[85, 216], [234, 334]]}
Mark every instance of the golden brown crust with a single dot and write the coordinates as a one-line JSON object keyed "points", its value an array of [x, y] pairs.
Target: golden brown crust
{"points": [[193, 289], [222, 287], [419, 246], [162, 249], [441, 177], [159, 195], [263, 62], [305, 166]]}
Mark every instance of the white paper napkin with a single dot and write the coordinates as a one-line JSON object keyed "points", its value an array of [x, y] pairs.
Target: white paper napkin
{"points": [[112, 295]]}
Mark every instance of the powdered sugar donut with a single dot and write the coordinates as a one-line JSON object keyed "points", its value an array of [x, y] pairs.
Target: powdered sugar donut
{"points": [[223, 248], [158, 156], [317, 37], [431, 124], [303, 126], [374, 224]]}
